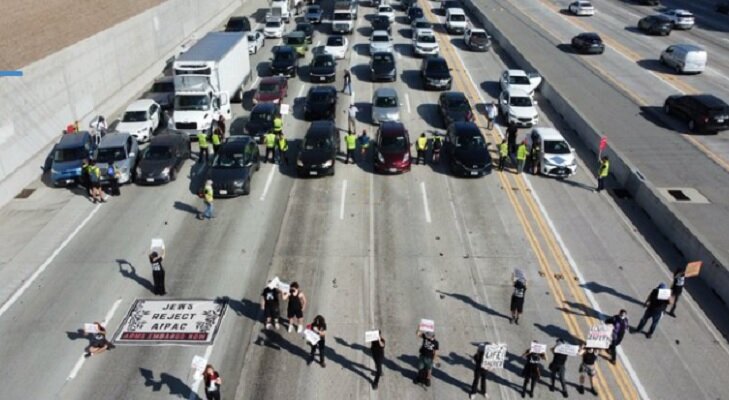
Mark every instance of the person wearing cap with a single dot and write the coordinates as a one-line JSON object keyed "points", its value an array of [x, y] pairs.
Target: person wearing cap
{"points": [[428, 354], [158, 274], [479, 373], [654, 308], [270, 305], [557, 367], [532, 370], [517, 300], [208, 199], [620, 325]]}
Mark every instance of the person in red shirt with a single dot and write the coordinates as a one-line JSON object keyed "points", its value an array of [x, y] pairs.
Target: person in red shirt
{"points": [[212, 383]]}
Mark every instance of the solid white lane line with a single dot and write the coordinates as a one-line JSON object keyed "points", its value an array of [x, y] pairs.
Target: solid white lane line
{"points": [[104, 322], [268, 184], [46, 263], [407, 102], [425, 202], [197, 379], [344, 195], [301, 90]]}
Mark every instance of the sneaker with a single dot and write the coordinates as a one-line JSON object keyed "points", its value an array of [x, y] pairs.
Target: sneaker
{"points": [[581, 389], [594, 392], [427, 382], [301, 329], [649, 335], [87, 355], [471, 396], [564, 394], [269, 326], [291, 328], [323, 364], [276, 325]]}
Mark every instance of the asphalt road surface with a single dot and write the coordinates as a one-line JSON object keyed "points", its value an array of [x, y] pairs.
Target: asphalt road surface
{"points": [[370, 251]]}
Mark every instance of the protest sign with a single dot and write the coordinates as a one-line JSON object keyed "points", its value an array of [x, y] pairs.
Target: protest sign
{"points": [[198, 364], [426, 325], [538, 348], [693, 269], [311, 337], [664, 294], [284, 109], [157, 245], [284, 287], [372, 336], [599, 336], [518, 275], [567, 349], [273, 282], [494, 356], [91, 328]]}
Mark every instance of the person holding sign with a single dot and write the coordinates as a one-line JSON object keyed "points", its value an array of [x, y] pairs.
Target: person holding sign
{"points": [[655, 305], [479, 372], [679, 279], [532, 370], [296, 307], [99, 344], [428, 354], [158, 273], [620, 325], [517, 300], [319, 326], [377, 347], [270, 305], [589, 359], [212, 383], [557, 367]]}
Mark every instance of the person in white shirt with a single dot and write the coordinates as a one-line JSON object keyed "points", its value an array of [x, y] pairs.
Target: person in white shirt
{"points": [[491, 114], [352, 112]]}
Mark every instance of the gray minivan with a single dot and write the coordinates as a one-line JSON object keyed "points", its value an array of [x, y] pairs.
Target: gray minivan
{"points": [[122, 150], [685, 58], [68, 156]]}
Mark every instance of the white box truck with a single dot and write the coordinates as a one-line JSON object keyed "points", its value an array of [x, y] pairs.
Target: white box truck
{"points": [[207, 76]]}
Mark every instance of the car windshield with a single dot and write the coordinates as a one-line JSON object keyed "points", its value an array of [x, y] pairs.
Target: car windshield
{"points": [[385, 10], [518, 80], [393, 143], [134, 116], [380, 38], [318, 142], [260, 117], [71, 154], [584, 4], [323, 62], [273, 24], [382, 59], [386, 101], [458, 18], [438, 66], [229, 160], [283, 56], [251, 37], [268, 87], [335, 41], [313, 10], [423, 24], [339, 16], [556, 147], [303, 28], [479, 35], [192, 103], [235, 25], [470, 142], [459, 104], [521, 101], [426, 39], [163, 87], [110, 154], [295, 40], [157, 153]]}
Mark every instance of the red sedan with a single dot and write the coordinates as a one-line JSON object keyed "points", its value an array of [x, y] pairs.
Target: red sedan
{"points": [[392, 148], [272, 89]]}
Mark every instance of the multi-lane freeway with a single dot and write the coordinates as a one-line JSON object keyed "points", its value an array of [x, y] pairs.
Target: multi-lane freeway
{"points": [[369, 251]]}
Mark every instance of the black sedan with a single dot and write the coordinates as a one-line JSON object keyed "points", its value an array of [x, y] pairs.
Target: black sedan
{"points": [[323, 68], [454, 107], [163, 158], [467, 150], [381, 23], [656, 25], [308, 30], [435, 73], [588, 43], [261, 119], [233, 167], [285, 61], [704, 112], [383, 67], [723, 7], [321, 103], [319, 150], [415, 13]]}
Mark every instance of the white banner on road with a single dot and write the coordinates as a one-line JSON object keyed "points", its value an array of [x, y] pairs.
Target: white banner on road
{"points": [[494, 356], [599, 337]]}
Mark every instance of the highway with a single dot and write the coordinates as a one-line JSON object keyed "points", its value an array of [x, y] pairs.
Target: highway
{"points": [[370, 251]]}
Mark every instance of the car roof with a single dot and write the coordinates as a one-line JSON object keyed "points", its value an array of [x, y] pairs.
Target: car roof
{"points": [[318, 128], [324, 89], [519, 92], [116, 139], [296, 33], [380, 33], [384, 92], [453, 95], [264, 107], [70, 140], [465, 127], [237, 18], [382, 53], [140, 105], [392, 128], [236, 144], [517, 72], [710, 100], [547, 133], [456, 10]]}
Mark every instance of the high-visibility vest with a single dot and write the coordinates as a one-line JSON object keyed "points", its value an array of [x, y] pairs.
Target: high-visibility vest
{"points": [[270, 140], [277, 125], [202, 140], [208, 194], [422, 143], [604, 169], [283, 144], [216, 139], [503, 149], [351, 141], [521, 152]]}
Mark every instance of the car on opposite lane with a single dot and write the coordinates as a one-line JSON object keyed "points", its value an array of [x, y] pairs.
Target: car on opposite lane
{"points": [[319, 150], [285, 61], [337, 46], [323, 68], [385, 105], [454, 107], [162, 160], [256, 41], [588, 43], [320, 103], [681, 19], [233, 166], [705, 113], [581, 8], [477, 39], [518, 108], [435, 73], [392, 148], [383, 67], [261, 119], [380, 41], [314, 14], [271, 89], [140, 119], [467, 150], [656, 25]]}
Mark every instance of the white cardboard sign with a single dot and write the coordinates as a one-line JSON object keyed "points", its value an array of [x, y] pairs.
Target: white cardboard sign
{"points": [[426, 325], [538, 348], [198, 364], [372, 336], [599, 337], [90, 328], [157, 245], [284, 109], [494, 356], [311, 337], [284, 287], [567, 349], [664, 294], [274, 282], [519, 275]]}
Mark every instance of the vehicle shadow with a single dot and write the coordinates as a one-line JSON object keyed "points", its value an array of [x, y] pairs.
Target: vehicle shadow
{"points": [[237, 127], [175, 385], [565, 11], [492, 88], [406, 33], [404, 49], [362, 49], [362, 72], [412, 79], [364, 31], [259, 15], [657, 116], [458, 43], [263, 69], [364, 113], [131, 273], [634, 29], [654, 65], [430, 115], [566, 48]]}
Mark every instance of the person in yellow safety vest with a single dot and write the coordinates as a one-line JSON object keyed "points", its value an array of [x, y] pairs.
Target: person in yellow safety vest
{"points": [[350, 139], [95, 179], [277, 125], [503, 154], [283, 147], [521, 155], [207, 196], [602, 173], [202, 143], [421, 145], [269, 140], [216, 139]]}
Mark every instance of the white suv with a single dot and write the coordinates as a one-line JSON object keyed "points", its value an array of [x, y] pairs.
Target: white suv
{"points": [[424, 42], [681, 19], [456, 21], [519, 108], [140, 119]]}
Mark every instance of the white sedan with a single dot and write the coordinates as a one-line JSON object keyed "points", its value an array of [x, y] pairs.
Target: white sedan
{"points": [[519, 79], [336, 46], [582, 7], [387, 11], [140, 119], [274, 28], [255, 41], [380, 41]]}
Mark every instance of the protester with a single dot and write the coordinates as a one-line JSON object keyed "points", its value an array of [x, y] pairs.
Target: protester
{"points": [[620, 325], [99, 344], [521, 156], [202, 143], [95, 181], [270, 305], [679, 279], [158, 274], [296, 307], [212, 381], [479, 373], [283, 148], [654, 310], [269, 140], [377, 347], [352, 119], [347, 88], [532, 371], [428, 355], [557, 367], [503, 154], [587, 367], [517, 300], [216, 140], [421, 145], [491, 113], [319, 325], [603, 173]]}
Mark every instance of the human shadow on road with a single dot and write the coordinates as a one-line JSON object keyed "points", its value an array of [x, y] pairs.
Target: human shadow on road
{"points": [[244, 307], [355, 367], [573, 183], [132, 274], [437, 373], [176, 386], [273, 340], [595, 287], [457, 359], [387, 363], [186, 208], [582, 310], [557, 332], [468, 300]]}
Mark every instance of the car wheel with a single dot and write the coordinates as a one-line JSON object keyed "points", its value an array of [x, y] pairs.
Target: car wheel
{"points": [[332, 174], [667, 108], [678, 69], [691, 125], [247, 187], [173, 175]]}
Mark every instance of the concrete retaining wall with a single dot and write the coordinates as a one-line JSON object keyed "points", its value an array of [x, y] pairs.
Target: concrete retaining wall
{"points": [[98, 75], [662, 212]]}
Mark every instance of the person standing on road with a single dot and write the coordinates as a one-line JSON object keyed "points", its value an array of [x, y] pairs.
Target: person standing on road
{"points": [[532, 371], [216, 139], [202, 143], [158, 274], [654, 310], [270, 306], [620, 325], [319, 325], [503, 154], [437, 145], [208, 200], [511, 132], [421, 145], [221, 126], [350, 139], [95, 179], [269, 140], [99, 344], [521, 155], [428, 355], [602, 173], [363, 141], [212, 381], [283, 147], [491, 114], [85, 178], [679, 279], [517, 300], [534, 151], [347, 88], [352, 118], [479, 373], [587, 367], [377, 347], [277, 125], [113, 175], [296, 307], [557, 367]]}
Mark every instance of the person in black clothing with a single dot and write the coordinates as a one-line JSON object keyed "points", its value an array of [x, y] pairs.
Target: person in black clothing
{"points": [[679, 279], [511, 138], [319, 326], [517, 300], [589, 359], [479, 372], [377, 348], [158, 274], [270, 305], [654, 310], [620, 325], [557, 367], [212, 381], [296, 307], [532, 371], [428, 354]]}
